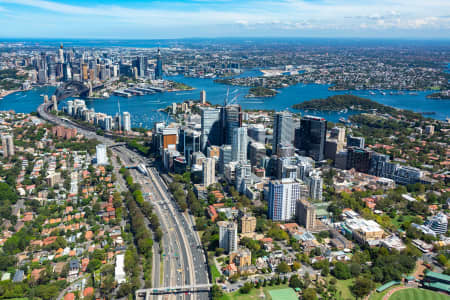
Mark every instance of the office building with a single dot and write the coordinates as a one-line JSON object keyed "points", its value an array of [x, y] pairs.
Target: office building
{"points": [[225, 156], [126, 122], [189, 142], [101, 154], [331, 148], [257, 132], [54, 103], [355, 141], [228, 239], [209, 173], [203, 97], [243, 173], [358, 159], [283, 130], [118, 122], [283, 195], [8, 145], [159, 66], [256, 152], [239, 144], [310, 137], [231, 118], [211, 128]]}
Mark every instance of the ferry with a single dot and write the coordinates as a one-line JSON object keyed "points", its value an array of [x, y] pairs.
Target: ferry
{"points": [[343, 120]]}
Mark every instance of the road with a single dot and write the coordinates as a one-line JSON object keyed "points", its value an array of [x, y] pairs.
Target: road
{"points": [[184, 259]]}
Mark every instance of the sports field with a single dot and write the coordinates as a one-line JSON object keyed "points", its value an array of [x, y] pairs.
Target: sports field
{"points": [[418, 294], [283, 294]]}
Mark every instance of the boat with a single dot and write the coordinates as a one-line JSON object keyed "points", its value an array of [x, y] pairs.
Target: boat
{"points": [[383, 93], [371, 93], [342, 120]]}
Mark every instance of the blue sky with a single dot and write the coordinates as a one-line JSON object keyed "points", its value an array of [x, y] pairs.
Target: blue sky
{"points": [[139, 19]]}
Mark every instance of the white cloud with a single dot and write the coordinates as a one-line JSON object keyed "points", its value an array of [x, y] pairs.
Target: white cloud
{"points": [[265, 15]]}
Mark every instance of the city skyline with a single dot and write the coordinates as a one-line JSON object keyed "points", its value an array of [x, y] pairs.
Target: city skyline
{"points": [[203, 18]]}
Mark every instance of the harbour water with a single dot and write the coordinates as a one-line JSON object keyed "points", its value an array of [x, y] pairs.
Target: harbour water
{"points": [[144, 109]]}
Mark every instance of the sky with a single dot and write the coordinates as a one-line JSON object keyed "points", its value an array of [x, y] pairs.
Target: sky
{"points": [[139, 19]]}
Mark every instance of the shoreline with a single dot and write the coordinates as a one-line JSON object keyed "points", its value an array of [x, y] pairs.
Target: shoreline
{"points": [[6, 93]]}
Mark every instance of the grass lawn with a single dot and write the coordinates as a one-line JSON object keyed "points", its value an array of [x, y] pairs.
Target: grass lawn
{"points": [[254, 293], [417, 294], [406, 218], [343, 286], [379, 296], [214, 272]]}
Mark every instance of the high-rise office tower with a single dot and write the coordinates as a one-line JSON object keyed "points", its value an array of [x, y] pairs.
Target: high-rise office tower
{"points": [[209, 173], [225, 156], [101, 154], [228, 238], [239, 144], [126, 121], [283, 195], [84, 72], [358, 159], [203, 97], [8, 145], [159, 66], [61, 54], [118, 122], [257, 152], [54, 103], [211, 132], [310, 138], [257, 132], [231, 118], [283, 130]]}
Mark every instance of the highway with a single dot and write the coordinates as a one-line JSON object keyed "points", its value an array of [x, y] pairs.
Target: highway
{"points": [[184, 261]]}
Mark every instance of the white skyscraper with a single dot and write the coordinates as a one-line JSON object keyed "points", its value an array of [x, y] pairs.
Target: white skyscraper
{"points": [[209, 174], [126, 121], [101, 154], [228, 239], [239, 145], [283, 195], [8, 145]]}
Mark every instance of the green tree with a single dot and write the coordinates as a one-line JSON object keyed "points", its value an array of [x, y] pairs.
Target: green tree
{"points": [[362, 287], [216, 292], [309, 294], [283, 267]]}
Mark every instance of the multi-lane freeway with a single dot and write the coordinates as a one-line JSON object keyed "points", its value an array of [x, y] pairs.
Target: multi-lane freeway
{"points": [[184, 261]]}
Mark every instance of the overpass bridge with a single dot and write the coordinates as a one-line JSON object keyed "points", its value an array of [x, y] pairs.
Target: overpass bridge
{"points": [[145, 294]]}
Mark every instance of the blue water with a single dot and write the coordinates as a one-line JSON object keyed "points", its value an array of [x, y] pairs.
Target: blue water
{"points": [[144, 112]]}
